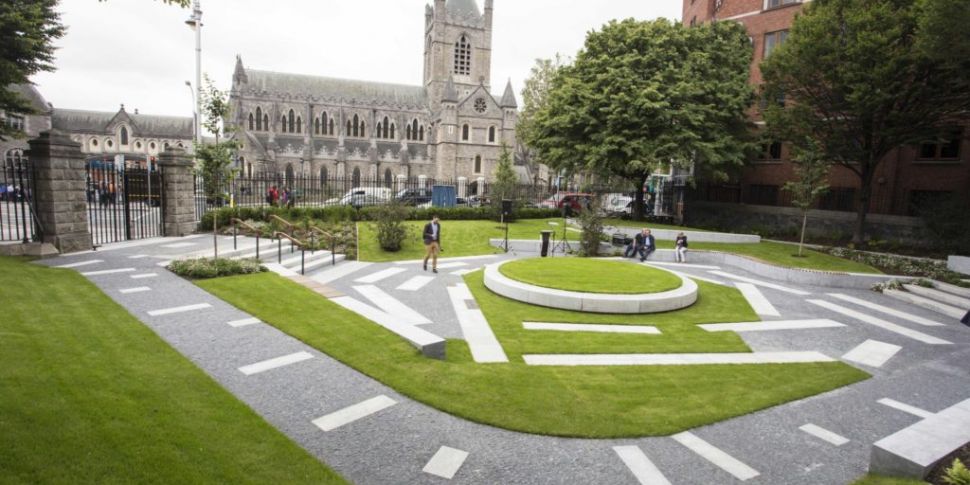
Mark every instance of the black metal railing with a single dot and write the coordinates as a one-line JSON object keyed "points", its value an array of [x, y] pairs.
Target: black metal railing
{"points": [[16, 196]]}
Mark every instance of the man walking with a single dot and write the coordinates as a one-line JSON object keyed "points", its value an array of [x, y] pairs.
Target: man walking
{"points": [[432, 243]]}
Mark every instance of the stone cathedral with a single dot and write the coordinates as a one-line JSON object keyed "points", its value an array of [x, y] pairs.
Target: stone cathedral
{"points": [[449, 127]]}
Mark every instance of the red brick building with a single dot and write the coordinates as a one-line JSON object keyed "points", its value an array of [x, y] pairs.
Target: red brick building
{"points": [[908, 180]]}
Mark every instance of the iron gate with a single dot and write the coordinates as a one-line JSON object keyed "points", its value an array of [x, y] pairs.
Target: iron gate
{"points": [[16, 194], [124, 203]]}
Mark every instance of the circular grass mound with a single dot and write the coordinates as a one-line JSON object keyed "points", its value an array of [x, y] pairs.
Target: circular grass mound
{"points": [[588, 275]]}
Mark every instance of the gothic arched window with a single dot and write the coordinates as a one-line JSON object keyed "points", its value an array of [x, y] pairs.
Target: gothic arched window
{"points": [[464, 132], [491, 134], [266, 122], [316, 126], [357, 126], [463, 57], [348, 133], [478, 164], [252, 122], [323, 176], [259, 120], [299, 124], [422, 133], [408, 132], [387, 178], [283, 124], [292, 122], [392, 131], [124, 136], [331, 126], [384, 131], [363, 132]]}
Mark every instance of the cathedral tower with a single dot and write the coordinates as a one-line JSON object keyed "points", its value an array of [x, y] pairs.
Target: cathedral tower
{"points": [[458, 45]]}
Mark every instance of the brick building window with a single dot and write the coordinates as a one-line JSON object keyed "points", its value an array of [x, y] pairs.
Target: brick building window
{"points": [[949, 150], [463, 57], [770, 152], [762, 195], [838, 199], [779, 3], [773, 40]]}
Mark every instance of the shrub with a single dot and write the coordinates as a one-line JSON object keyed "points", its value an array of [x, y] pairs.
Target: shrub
{"points": [[889, 285], [591, 223], [957, 474], [204, 268], [391, 230]]}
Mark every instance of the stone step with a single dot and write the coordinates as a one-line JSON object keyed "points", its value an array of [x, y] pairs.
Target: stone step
{"points": [[914, 451], [952, 289], [940, 296], [926, 303]]}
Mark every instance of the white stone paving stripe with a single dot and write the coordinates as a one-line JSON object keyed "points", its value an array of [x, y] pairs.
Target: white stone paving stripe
{"points": [[757, 300], [446, 462], [761, 283], [178, 245], [906, 408], [163, 263], [275, 363], [892, 327], [380, 275], [872, 353], [80, 264], [676, 359], [463, 272], [695, 277], [338, 272], [181, 309], [447, 260], [138, 256], [392, 306], [484, 346], [140, 289], [595, 328], [412, 333], [716, 456], [888, 311], [642, 468], [244, 322], [824, 434], [457, 264], [684, 265], [144, 276], [416, 283], [109, 272], [352, 413], [770, 326]]}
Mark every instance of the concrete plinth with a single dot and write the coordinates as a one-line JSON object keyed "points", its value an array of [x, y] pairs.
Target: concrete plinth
{"points": [[60, 181], [178, 193]]}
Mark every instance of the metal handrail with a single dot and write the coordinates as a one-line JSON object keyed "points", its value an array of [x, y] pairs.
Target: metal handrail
{"points": [[235, 232], [294, 242], [289, 225]]}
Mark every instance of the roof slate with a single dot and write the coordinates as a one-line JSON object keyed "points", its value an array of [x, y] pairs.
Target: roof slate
{"points": [[301, 85], [74, 120]]}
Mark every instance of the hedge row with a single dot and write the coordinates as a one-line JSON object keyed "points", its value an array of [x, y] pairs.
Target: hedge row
{"points": [[346, 213]]}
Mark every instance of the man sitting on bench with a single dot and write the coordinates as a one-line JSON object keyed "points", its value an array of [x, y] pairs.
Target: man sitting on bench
{"points": [[643, 244]]}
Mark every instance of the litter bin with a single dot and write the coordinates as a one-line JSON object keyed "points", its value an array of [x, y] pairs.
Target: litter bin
{"points": [[545, 242]]}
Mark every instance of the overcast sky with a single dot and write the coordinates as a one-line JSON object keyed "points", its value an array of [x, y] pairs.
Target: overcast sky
{"points": [[140, 52]]}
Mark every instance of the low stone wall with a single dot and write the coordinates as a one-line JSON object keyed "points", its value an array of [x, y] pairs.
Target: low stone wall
{"points": [[796, 276], [959, 264], [787, 220]]}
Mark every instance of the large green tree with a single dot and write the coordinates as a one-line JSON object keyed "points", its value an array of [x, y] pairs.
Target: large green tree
{"points": [[534, 96], [864, 77], [28, 29], [643, 94]]}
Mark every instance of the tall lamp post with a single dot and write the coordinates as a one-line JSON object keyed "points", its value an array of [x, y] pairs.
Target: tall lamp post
{"points": [[195, 22], [195, 114]]}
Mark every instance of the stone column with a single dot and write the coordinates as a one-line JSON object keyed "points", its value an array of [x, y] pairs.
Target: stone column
{"points": [[178, 193], [60, 179], [401, 183], [462, 187], [422, 181]]}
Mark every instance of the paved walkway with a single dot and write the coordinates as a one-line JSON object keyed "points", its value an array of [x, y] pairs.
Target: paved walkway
{"points": [[372, 435]]}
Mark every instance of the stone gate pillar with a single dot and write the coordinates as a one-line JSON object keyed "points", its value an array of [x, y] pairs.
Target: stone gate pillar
{"points": [[178, 193], [462, 187], [60, 191]]}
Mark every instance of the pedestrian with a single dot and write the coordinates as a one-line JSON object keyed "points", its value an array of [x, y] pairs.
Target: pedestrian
{"points": [[648, 246], [432, 243], [288, 198], [269, 196], [680, 249]]}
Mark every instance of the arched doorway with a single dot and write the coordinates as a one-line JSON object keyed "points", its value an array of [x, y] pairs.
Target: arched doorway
{"points": [[388, 179], [289, 175]]}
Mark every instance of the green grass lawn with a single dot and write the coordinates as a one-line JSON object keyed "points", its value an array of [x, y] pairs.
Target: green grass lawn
{"points": [[91, 395], [593, 402], [590, 275], [458, 238]]}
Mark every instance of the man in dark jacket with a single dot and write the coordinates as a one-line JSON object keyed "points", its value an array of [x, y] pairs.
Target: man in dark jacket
{"points": [[646, 243], [432, 243]]}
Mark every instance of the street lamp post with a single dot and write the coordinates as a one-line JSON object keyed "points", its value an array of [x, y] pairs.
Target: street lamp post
{"points": [[195, 114], [195, 22]]}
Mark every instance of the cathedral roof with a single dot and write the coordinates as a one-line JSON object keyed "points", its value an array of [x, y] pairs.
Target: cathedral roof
{"points": [[74, 120], [33, 97], [301, 85]]}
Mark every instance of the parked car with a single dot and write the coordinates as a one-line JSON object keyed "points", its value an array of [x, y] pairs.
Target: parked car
{"points": [[615, 205], [478, 201], [570, 202], [365, 197], [414, 197]]}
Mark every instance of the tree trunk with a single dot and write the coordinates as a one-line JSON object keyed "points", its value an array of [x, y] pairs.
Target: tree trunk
{"points": [[637, 212], [865, 194], [801, 243]]}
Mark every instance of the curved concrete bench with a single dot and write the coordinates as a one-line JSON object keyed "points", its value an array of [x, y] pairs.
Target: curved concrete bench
{"points": [[677, 299]]}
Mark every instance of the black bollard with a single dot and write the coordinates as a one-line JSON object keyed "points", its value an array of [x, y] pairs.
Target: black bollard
{"points": [[545, 243]]}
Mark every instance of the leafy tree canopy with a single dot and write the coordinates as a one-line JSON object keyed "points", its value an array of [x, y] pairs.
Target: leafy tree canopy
{"points": [[863, 77], [642, 94]]}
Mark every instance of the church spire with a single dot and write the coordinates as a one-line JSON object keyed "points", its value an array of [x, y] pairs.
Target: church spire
{"points": [[239, 75], [508, 99]]}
